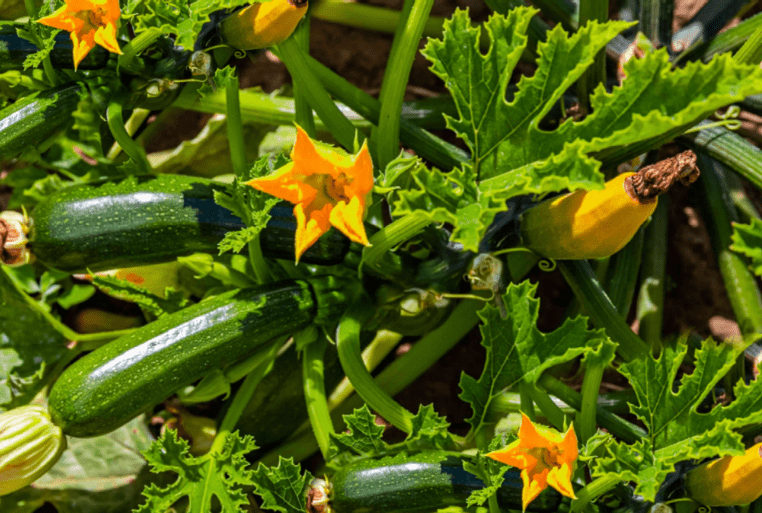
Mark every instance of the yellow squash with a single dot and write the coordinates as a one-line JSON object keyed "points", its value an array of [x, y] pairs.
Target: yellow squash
{"points": [[585, 224], [728, 481], [262, 25]]}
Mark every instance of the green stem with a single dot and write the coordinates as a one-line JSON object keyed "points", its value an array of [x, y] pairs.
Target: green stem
{"points": [[398, 374], [348, 346], [47, 65], [302, 108], [730, 149], [614, 424], [746, 209], [482, 443], [656, 20], [241, 399], [425, 144], [370, 17], [561, 12], [115, 121], [622, 274], [581, 279], [296, 62], [527, 405], [751, 51], [547, 406], [591, 384], [592, 491], [129, 60], [134, 122], [725, 41], [592, 10], [650, 310], [385, 240], [740, 284], [235, 129], [378, 349], [313, 371], [240, 168], [404, 49]]}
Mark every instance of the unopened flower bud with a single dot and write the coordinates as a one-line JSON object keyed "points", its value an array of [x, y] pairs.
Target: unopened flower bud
{"points": [[29, 445]]}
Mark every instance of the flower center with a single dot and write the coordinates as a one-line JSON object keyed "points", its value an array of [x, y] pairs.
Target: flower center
{"points": [[92, 19], [330, 190]]}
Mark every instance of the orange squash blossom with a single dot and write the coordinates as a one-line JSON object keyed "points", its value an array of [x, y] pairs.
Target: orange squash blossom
{"points": [[90, 22], [326, 188], [544, 456]]}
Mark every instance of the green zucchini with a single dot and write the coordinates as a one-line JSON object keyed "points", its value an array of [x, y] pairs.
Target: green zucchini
{"points": [[33, 118], [14, 50], [115, 383], [422, 482], [153, 219]]}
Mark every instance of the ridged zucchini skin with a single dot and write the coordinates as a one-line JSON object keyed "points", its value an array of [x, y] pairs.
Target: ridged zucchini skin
{"points": [[118, 381], [421, 482], [31, 119], [149, 220]]}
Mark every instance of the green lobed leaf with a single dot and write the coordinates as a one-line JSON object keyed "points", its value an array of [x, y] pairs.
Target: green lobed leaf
{"points": [[30, 345], [517, 351], [512, 155], [363, 436], [216, 474], [429, 431], [747, 240], [282, 488], [222, 78], [489, 471], [249, 204], [182, 19], [677, 430]]}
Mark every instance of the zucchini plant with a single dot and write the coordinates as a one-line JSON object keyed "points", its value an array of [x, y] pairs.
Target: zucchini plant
{"points": [[270, 289]]}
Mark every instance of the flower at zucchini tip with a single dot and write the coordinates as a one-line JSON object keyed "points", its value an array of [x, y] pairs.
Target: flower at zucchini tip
{"points": [[29, 445], [326, 187], [90, 22], [544, 456]]}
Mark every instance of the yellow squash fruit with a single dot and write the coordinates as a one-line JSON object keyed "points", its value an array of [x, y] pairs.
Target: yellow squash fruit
{"points": [[585, 224], [262, 25], [728, 481]]}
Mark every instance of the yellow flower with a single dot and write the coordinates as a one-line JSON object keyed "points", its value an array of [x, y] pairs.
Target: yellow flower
{"points": [[90, 22], [327, 188], [544, 456]]}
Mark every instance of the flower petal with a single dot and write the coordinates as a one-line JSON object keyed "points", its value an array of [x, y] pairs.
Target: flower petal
{"points": [[530, 437], [83, 43], [568, 447], [513, 455], [106, 37], [282, 184], [560, 479], [306, 158], [60, 19], [310, 225], [534, 483], [348, 219]]}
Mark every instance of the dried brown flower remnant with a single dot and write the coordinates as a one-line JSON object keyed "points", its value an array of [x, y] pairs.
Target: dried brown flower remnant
{"points": [[658, 178]]}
